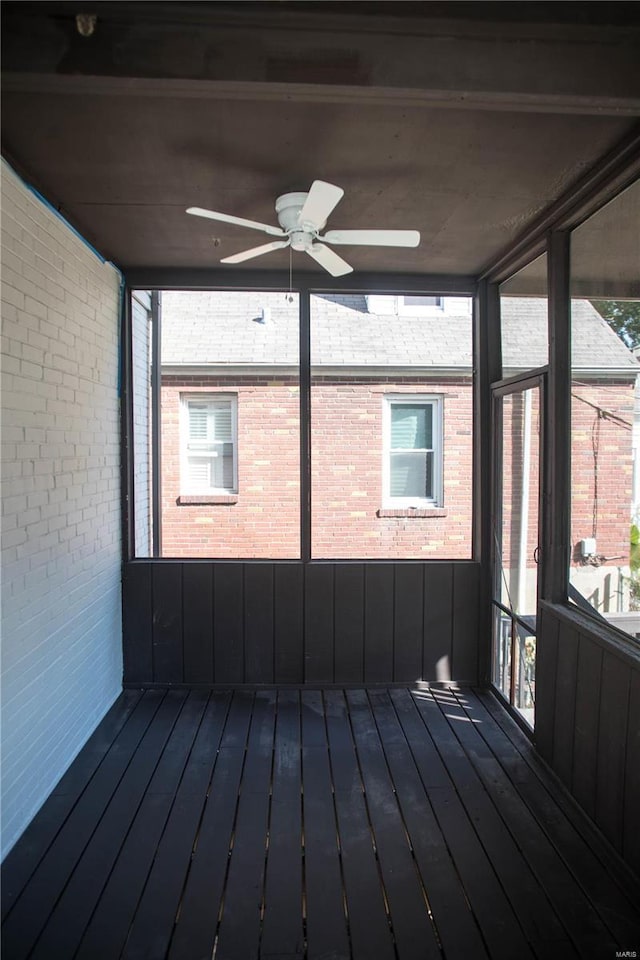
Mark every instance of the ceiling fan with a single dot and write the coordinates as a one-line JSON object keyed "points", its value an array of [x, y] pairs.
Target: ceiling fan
{"points": [[301, 217]]}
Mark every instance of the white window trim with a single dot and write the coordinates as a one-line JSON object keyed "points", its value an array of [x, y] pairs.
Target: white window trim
{"points": [[436, 400], [185, 398]]}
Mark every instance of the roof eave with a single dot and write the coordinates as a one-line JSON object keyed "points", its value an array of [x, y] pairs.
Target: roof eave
{"points": [[367, 370], [355, 370]]}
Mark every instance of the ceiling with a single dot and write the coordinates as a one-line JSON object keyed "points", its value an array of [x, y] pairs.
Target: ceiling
{"points": [[463, 121]]}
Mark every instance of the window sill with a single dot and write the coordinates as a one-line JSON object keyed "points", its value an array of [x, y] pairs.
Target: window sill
{"points": [[204, 499], [411, 513]]}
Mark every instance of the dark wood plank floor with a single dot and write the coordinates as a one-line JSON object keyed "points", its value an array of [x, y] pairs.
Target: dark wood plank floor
{"points": [[373, 825]]}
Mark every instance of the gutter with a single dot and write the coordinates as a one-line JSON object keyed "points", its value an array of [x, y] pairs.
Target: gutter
{"points": [[370, 370], [320, 370]]}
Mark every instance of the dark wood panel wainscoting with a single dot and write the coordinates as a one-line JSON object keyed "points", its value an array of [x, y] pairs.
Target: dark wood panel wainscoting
{"points": [[588, 721], [231, 622]]}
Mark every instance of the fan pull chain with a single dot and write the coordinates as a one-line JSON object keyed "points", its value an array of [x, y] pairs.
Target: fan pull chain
{"points": [[290, 295]]}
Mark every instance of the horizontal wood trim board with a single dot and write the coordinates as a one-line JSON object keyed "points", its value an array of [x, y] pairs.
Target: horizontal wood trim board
{"points": [[588, 723], [218, 623]]}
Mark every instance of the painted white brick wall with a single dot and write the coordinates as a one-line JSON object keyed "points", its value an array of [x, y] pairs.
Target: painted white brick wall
{"points": [[61, 607]]}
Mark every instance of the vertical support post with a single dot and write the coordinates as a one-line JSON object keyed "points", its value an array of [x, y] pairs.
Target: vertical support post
{"points": [[156, 398], [487, 369], [557, 499], [126, 429], [305, 425]]}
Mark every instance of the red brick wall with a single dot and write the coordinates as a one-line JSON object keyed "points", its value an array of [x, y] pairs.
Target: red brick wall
{"points": [[265, 520], [347, 458], [601, 467], [346, 475], [601, 478]]}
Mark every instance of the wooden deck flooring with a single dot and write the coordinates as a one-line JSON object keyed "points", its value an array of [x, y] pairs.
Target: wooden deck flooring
{"points": [[374, 825]]}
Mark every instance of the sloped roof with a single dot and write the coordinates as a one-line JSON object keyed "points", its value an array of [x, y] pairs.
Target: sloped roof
{"points": [[202, 328], [223, 328], [525, 339]]}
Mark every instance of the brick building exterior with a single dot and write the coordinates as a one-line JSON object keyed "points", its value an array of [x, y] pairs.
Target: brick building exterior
{"points": [[369, 354], [602, 471], [263, 519], [349, 514]]}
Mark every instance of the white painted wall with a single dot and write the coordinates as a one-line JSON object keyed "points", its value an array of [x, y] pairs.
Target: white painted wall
{"points": [[388, 305], [61, 613]]}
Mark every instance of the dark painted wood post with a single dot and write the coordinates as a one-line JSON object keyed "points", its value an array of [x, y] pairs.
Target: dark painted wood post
{"points": [[555, 530], [156, 410], [488, 369], [305, 425], [126, 429]]}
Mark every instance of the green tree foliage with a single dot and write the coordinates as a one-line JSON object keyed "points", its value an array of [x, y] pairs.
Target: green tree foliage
{"points": [[634, 563], [623, 316], [634, 553]]}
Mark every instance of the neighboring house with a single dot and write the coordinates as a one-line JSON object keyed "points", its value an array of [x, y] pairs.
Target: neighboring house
{"points": [[635, 500], [391, 425], [604, 445], [386, 390]]}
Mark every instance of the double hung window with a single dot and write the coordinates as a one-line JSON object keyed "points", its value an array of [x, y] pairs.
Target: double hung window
{"points": [[413, 452], [209, 444]]}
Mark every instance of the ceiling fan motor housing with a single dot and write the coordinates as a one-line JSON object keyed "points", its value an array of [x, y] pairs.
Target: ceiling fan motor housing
{"points": [[288, 208]]}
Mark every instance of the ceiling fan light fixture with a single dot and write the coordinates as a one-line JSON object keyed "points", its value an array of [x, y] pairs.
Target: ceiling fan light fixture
{"points": [[301, 240]]}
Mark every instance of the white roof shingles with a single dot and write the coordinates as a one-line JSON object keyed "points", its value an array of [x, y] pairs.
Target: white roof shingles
{"points": [[595, 346], [223, 328], [594, 343], [202, 328]]}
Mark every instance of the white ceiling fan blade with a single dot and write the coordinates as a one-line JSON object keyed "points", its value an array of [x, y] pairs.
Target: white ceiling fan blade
{"points": [[334, 264], [374, 238], [239, 221], [255, 251], [321, 200]]}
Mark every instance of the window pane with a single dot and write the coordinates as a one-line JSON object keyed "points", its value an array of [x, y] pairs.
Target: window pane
{"points": [[524, 319], [517, 528], [200, 474], [198, 420], [525, 673], [385, 378], [210, 465], [516, 536], [210, 421], [222, 421], [224, 466], [605, 424], [230, 425], [411, 475], [142, 461], [411, 427], [514, 667]]}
